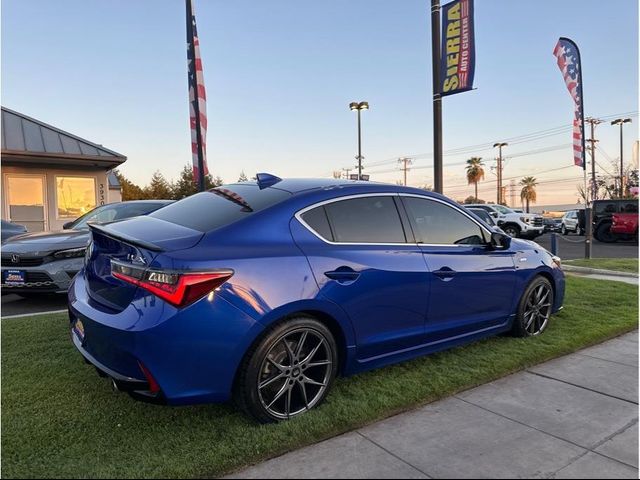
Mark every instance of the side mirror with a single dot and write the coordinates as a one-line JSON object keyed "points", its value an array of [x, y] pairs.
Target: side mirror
{"points": [[494, 214], [67, 225], [500, 240]]}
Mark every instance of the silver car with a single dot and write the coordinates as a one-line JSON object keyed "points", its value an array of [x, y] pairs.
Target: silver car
{"points": [[45, 262]]}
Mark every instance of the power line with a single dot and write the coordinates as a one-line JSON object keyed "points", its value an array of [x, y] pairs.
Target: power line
{"points": [[487, 146]]}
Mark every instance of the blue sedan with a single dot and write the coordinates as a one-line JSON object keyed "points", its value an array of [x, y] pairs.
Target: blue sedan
{"points": [[265, 291]]}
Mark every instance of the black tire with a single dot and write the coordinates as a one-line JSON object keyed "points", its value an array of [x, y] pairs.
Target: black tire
{"points": [[563, 229], [579, 231], [260, 360], [523, 324], [512, 230], [603, 233]]}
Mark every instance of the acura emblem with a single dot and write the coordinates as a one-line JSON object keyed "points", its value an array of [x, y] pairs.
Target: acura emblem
{"points": [[15, 258]]}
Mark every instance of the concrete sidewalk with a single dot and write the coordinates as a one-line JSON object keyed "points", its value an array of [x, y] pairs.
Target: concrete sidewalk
{"points": [[573, 417]]}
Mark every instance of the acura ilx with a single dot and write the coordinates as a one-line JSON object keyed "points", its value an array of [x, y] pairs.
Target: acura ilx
{"points": [[263, 292]]}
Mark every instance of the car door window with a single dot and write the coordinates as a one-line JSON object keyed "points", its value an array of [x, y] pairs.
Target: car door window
{"points": [[373, 219], [435, 223]]}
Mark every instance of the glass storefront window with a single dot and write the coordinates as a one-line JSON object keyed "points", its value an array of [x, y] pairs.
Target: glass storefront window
{"points": [[75, 196]]}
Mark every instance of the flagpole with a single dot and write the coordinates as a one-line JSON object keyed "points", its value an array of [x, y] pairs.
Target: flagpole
{"points": [[588, 223], [195, 102]]}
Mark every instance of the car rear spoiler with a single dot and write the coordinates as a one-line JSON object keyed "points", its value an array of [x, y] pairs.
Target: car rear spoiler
{"points": [[124, 238]]}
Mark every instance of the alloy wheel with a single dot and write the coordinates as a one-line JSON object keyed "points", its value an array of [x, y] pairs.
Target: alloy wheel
{"points": [[537, 309], [295, 373]]}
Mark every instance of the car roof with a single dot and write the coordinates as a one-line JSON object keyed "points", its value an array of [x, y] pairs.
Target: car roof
{"points": [[145, 201], [297, 186]]}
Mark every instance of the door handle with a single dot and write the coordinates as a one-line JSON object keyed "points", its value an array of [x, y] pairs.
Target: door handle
{"points": [[343, 275], [445, 273]]}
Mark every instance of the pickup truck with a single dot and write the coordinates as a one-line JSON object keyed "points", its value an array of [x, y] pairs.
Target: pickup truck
{"points": [[521, 225], [624, 226]]}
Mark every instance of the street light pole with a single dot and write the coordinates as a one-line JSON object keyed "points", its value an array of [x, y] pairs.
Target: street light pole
{"points": [[359, 106], [499, 145], [437, 99], [621, 121]]}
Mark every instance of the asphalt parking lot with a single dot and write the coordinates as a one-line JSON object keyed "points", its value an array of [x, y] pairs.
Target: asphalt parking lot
{"points": [[569, 247]]}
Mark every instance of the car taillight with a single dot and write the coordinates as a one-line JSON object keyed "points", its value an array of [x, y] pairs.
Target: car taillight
{"points": [[178, 288]]}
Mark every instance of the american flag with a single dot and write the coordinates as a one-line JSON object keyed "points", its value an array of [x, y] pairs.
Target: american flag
{"points": [[197, 96], [568, 56]]}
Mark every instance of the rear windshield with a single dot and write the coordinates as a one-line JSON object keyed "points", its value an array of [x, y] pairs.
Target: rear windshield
{"points": [[220, 206]]}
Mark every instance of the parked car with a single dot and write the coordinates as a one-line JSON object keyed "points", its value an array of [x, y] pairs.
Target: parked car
{"points": [[11, 230], [603, 211], [521, 225], [265, 291], [45, 262], [624, 226], [571, 223], [552, 224]]}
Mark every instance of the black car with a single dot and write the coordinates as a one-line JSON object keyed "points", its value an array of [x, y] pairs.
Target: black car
{"points": [[551, 224]]}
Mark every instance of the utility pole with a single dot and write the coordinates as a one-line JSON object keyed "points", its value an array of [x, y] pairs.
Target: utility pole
{"points": [[499, 145], [594, 187], [437, 99], [405, 161], [512, 187]]}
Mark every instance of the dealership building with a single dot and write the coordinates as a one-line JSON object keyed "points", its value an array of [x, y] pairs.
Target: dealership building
{"points": [[49, 176]]}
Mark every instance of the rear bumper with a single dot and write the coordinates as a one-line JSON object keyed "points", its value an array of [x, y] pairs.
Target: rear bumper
{"points": [[192, 353], [136, 387]]}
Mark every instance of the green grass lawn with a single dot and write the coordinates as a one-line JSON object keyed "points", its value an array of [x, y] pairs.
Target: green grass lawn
{"points": [[59, 419], [619, 264]]}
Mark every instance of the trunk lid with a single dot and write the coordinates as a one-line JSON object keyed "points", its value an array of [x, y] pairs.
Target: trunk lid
{"points": [[136, 241]]}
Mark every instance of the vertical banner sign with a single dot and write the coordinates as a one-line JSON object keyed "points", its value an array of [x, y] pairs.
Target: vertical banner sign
{"points": [[197, 101], [457, 65], [568, 56]]}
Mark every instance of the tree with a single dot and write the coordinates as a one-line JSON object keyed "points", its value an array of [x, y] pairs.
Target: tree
{"points": [[130, 191], [471, 199], [159, 187], [528, 192], [475, 172], [185, 185], [243, 177]]}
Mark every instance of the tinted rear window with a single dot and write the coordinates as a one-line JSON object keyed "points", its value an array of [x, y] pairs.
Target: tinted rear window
{"points": [[219, 207]]}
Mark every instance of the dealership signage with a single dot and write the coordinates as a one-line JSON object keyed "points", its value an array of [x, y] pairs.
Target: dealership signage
{"points": [[458, 59]]}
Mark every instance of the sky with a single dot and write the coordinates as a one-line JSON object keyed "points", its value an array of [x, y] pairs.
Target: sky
{"points": [[280, 75]]}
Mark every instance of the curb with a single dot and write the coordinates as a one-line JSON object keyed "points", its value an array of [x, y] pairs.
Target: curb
{"points": [[597, 271], [34, 314]]}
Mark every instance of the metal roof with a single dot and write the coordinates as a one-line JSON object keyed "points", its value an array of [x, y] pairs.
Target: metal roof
{"points": [[29, 140]]}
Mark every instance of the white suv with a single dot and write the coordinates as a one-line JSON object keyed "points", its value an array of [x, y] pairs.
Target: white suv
{"points": [[522, 225], [571, 223]]}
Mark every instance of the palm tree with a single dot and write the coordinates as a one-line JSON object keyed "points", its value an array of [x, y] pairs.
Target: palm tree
{"points": [[528, 192], [475, 172]]}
